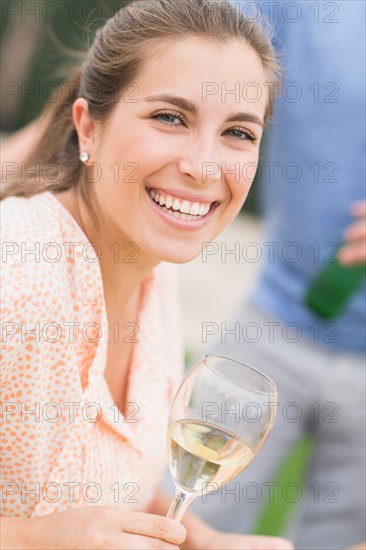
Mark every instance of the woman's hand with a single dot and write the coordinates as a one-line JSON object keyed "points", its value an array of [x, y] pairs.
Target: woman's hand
{"points": [[202, 536], [96, 527], [354, 250], [228, 541]]}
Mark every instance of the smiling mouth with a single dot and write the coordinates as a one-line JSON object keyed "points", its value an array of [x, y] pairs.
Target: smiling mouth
{"points": [[181, 208]]}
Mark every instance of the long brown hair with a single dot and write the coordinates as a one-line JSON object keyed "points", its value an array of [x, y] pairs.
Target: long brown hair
{"points": [[112, 63]]}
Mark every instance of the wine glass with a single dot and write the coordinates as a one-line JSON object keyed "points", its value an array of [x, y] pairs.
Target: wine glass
{"points": [[221, 417]]}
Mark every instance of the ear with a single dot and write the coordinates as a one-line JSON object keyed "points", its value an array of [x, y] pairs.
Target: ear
{"points": [[85, 126]]}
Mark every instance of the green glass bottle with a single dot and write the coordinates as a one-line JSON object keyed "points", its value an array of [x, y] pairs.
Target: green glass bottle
{"points": [[332, 288]]}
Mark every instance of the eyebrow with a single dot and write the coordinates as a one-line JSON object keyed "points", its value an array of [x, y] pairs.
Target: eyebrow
{"points": [[191, 107]]}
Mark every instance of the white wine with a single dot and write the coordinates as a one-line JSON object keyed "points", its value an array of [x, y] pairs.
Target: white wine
{"points": [[201, 453]]}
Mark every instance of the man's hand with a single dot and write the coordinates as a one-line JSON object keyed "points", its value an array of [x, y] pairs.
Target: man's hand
{"points": [[354, 250]]}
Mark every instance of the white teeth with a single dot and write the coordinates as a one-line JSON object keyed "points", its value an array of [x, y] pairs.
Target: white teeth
{"points": [[178, 215], [183, 210], [194, 209], [176, 204], [184, 207]]}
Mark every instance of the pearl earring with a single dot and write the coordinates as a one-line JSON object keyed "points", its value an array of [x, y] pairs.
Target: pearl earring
{"points": [[84, 157]]}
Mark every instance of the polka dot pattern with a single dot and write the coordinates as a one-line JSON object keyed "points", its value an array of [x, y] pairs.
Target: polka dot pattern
{"points": [[64, 442]]}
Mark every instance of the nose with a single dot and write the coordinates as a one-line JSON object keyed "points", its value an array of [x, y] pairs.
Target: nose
{"points": [[199, 161]]}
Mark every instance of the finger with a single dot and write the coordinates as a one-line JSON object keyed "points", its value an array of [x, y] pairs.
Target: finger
{"points": [[353, 254], [139, 542], [359, 208], [356, 230], [154, 526]]}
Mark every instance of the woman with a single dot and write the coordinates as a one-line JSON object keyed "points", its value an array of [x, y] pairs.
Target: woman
{"points": [[143, 159]]}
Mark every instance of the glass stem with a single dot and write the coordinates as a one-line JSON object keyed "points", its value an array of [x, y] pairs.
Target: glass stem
{"points": [[179, 505]]}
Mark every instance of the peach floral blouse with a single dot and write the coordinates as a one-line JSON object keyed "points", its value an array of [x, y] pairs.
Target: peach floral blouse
{"points": [[64, 442]]}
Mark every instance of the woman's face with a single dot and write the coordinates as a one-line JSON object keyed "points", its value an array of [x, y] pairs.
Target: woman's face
{"points": [[178, 155]]}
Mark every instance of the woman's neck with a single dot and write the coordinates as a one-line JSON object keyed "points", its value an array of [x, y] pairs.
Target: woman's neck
{"points": [[123, 265]]}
